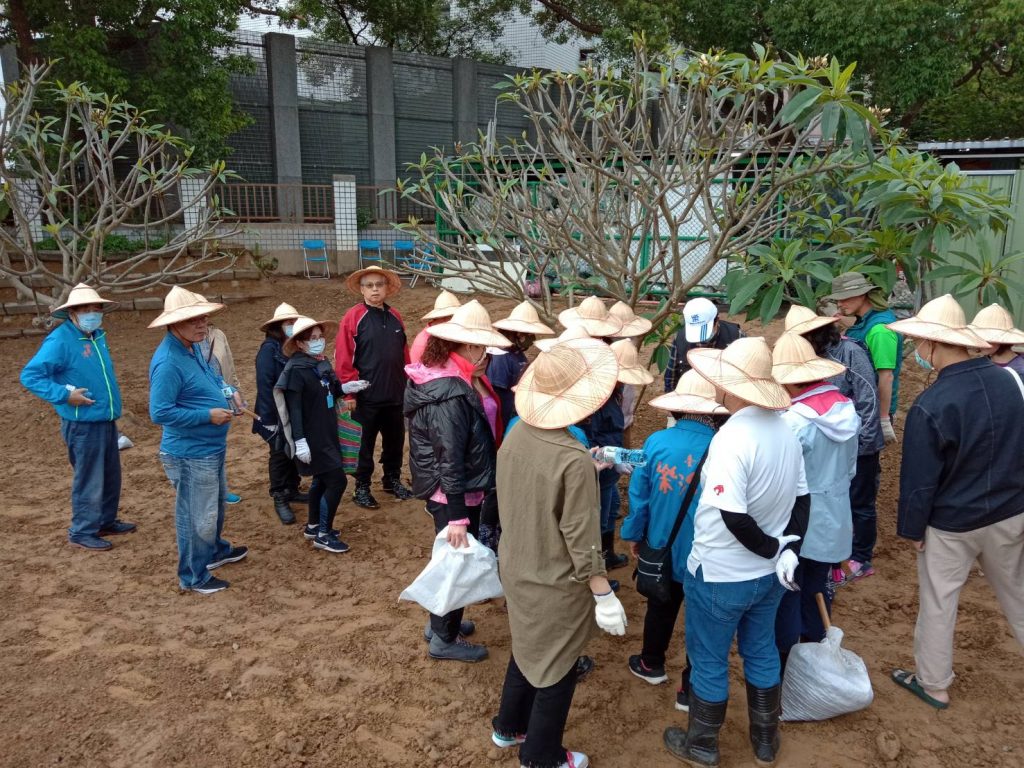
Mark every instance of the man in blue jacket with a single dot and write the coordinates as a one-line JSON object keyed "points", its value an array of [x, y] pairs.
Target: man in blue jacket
{"points": [[961, 488], [189, 401], [73, 371]]}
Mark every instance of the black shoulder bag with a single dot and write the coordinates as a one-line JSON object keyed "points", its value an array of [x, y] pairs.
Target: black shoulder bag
{"points": [[653, 573]]}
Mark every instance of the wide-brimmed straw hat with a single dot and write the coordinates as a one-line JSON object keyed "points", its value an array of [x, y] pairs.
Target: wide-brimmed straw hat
{"points": [[82, 295], [576, 336], [940, 320], [471, 324], [744, 370], [632, 323], [593, 316], [302, 324], [850, 284], [630, 370], [693, 394], [523, 319], [802, 320], [995, 325], [282, 314], [566, 385], [392, 278], [181, 304], [444, 306], [794, 362]]}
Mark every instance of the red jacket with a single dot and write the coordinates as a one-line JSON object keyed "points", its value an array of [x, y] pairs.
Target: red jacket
{"points": [[371, 345]]}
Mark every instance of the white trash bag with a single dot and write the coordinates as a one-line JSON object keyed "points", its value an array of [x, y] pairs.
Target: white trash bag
{"points": [[455, 578], [824, 680]]}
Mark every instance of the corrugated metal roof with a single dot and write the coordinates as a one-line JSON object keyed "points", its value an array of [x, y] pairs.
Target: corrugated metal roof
{"points": [[970, 146]]}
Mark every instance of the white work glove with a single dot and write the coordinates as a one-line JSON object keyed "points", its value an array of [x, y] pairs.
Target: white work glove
{"points": [[352, 387], [785, 541], [624, 469], [785, 569], [610, 615], [887, 431], [302, 451]]}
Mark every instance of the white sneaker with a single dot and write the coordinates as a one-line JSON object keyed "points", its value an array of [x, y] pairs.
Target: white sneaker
{"points": [[504, 742], [573, 760]]}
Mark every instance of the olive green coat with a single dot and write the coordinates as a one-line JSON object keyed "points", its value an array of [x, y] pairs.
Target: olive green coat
{"points": [[550, 547]]}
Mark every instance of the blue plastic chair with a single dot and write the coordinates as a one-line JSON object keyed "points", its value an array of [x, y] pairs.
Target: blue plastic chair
{"points": [[315, 252], [369, 253], [423, 262]]}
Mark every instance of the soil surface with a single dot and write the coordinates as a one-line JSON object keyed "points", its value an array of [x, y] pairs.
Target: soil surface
{"points": [[310, 660]]}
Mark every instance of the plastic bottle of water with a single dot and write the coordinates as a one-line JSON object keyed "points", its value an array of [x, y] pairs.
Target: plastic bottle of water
{"points": [[614, 455]]}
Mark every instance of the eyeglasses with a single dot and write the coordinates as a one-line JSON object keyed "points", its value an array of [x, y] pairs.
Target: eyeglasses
{"points": [[372, 285]]}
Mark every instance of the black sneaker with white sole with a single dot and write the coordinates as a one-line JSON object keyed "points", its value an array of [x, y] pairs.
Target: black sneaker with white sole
{"points": [[212, 585], [655, 675], [330, 543], [312, 531], [233, 556]]}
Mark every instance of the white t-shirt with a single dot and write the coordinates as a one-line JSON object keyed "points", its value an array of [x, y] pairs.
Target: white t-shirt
{"points": [[755, 466]]}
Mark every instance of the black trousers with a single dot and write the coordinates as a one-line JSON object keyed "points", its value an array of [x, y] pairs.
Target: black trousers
{"points": [[284, 475], [659, 623], [388, 422], [447, 627], [326, 486], [863, 493], [540, 713]]}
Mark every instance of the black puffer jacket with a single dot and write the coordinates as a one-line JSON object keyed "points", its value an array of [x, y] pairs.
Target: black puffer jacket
{"points": [[450, 441]]}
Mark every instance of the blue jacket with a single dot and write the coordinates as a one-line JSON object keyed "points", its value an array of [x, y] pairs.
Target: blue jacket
{"points": [[68, 355], [606, 425], [962, 448], [656, 490], [182, 390], [270, 362]]}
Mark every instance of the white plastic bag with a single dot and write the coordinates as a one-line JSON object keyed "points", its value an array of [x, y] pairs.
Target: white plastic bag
{"points": [[455, 578], [824, 680]]}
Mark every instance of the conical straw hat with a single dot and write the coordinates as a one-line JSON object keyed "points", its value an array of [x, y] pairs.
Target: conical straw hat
{"points": [[444, 306], [471, 324], [794, 362], [630, 370], [523, 319], [181, 304], [693, 394], [995, 325], [566, 385], [940, 320], [743, 369], [632, 323], [80, 296], [392, 278], [576, 336], [302, 325], [803, 320], [593, 316], [283, 313]]}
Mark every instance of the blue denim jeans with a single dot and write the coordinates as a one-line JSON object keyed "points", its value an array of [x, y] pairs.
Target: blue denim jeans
{"points": [[716, 612], [201, 485], [96, 486]]}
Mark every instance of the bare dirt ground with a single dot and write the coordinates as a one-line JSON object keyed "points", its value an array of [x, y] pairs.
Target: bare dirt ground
{"points": [[309, 659]]}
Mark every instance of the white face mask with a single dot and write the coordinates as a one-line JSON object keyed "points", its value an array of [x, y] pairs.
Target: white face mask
{"points": [[316, 346], [289, 329], [89, 321]]}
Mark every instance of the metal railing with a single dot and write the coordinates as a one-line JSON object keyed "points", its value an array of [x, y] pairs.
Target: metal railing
{"points": [[383, 205], [255, 203]]}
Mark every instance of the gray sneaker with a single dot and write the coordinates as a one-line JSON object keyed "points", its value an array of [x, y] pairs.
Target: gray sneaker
{"points": [[457, 650], [466, 628]]}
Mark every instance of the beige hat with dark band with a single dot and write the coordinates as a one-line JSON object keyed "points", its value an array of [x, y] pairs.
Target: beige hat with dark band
{"points": [[471, 324], [850, 284], [282, 314], [794, 362], [693, 394], [82, 295], [593, 316], [940, 320], [444, 306], [744, 370], [565, 385], [995, 325], [803, 320], [524, 319], [181, 305]]}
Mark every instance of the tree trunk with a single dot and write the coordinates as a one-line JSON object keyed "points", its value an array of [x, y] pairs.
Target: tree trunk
{"points": [[18, 17]]}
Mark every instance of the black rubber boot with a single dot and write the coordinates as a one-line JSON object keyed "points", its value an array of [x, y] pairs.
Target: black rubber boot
{"points": [[298, 496], [363, 498], [698, 744], [611, 560], [393, 484], [283, 509], [764, 705]]}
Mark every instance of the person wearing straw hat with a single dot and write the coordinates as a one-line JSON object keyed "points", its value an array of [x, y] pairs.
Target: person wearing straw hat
{"points": [[593, 316], [552, 570], [521, 327], [752, 514], [826, 423], [270, 362], [961, 488], [656, 493], [702, 328], [995, 325], [371, 347], [861, 299], [454, 424], [73, 371], [304, 395], [192, 404], [858, 383], [444, 307], [633, 328]]}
